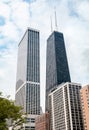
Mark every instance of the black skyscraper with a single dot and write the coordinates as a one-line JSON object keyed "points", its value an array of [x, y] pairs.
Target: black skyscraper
{"points": [[57, 70]]}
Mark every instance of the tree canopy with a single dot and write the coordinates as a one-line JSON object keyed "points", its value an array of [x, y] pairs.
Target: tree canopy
{"points": [[9, 111]]}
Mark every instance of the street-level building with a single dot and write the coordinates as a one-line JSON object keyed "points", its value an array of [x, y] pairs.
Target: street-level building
{"points": [[65, 107], [84, 92], [42, 122]]}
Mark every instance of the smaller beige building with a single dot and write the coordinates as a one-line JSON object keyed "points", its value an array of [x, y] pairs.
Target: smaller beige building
{"points": [[42, 122], [84, 92]]}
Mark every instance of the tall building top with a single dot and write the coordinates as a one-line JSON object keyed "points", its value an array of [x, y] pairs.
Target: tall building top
{"points": [[53, 32], [28, 29]]}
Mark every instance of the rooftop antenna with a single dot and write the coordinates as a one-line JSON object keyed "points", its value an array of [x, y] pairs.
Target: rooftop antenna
{"points": [[51, 24], [30, 22], [56, 27]]}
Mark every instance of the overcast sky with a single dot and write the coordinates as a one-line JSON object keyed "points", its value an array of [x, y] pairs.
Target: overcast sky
{"points": [[72, 20]]}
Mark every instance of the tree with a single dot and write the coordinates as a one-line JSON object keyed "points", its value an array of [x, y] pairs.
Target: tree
{"points": [[9, 111]]}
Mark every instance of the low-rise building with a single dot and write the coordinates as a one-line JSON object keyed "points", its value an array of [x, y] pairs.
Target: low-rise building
{"points": [[65, 107], [85, 105], [42, 122]]}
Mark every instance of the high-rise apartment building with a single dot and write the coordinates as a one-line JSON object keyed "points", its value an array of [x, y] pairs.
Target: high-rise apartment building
{"points": [[84, 92], [57, 70], [42, 122], [65, 107], [28, 74]]}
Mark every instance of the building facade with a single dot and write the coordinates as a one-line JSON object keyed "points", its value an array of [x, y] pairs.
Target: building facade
{"points": [[65, 107], [28, 74], [42, 122], [84, 92], [57, 70]]}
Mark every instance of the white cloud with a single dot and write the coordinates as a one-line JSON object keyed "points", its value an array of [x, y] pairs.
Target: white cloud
{"points": [[83, 10], [8, 71], [10, 31], [4, 10], [20, 14]]}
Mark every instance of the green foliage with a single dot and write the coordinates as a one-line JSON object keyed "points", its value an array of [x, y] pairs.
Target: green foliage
{"points": [[9, 111]]}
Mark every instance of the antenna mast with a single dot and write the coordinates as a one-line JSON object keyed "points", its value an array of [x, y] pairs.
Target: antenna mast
{"points": [[55, 19], [51, 24]]}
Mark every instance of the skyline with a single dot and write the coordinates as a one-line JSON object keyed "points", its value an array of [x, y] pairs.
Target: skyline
{"points": [[73, 22]]}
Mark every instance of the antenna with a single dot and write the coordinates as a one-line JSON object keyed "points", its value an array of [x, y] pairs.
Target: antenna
{"points": [[51, 24], [55, 19]]}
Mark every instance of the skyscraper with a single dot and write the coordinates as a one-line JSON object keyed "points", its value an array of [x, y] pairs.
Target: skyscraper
{"points": [[57, 70], [28, 74], [65, 107]]}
